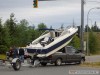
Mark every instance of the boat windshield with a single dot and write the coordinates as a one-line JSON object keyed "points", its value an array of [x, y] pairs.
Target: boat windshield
{"points": [[44, 32]]}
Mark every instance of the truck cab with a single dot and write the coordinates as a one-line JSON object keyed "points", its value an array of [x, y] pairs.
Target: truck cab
{"points": [[67, 54], [73, 55]]}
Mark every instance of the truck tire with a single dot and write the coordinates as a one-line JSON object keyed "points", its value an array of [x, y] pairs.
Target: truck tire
{"points": [[81, 61], [43, 64], [16, 66], [58, 62]]}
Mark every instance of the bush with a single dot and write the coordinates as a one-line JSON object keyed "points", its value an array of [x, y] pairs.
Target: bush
{"points": [[3, 49], [75, 42], [92, 43]]}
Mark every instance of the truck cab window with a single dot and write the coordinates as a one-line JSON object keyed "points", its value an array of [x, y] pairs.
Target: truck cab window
{"points": [[71, 50], [62, 50]]}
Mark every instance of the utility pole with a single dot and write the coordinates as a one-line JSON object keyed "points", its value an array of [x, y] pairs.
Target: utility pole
{"points": [[82, 24]]}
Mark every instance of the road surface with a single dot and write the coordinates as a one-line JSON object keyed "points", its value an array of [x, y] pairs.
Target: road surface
{"points": [[51, 69], [94, 58], [47, 70]]}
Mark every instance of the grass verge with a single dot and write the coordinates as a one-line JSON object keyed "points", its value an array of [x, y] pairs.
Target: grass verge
{"points": [[91, 64], [2, 56]]}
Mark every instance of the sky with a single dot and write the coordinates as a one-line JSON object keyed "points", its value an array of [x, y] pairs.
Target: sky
{"points": [[52, 13]]}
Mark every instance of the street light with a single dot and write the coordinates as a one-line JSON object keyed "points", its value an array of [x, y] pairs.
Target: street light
{"points": [[94, 1], [88, 51]]}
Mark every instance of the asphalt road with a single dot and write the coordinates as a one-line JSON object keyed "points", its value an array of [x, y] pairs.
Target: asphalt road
{"points": [[51, 69], [47, 70], [94, 58]]}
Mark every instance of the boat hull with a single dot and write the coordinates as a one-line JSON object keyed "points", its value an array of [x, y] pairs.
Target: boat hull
{"points": [[48, 51]]}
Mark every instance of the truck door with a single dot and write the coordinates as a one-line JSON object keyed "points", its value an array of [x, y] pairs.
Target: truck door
{"points": [[76, 56], [69, 54], [63, 54], [72, 56]]}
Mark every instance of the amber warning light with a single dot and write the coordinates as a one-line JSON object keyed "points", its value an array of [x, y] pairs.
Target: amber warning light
{"points": [[35, 3]]}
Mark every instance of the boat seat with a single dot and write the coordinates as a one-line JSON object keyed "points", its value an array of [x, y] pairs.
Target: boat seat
{"points": [[47, 40]]}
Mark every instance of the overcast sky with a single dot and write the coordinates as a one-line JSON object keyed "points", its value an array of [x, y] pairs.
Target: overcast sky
{"points": [[52, 13]]}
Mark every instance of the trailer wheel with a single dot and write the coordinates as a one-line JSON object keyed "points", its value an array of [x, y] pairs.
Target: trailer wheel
{"points": [[17, 65], [43, 64], [58, 62]]}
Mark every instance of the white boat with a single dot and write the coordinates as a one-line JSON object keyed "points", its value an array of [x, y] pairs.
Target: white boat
{"points": [[51, 41]]}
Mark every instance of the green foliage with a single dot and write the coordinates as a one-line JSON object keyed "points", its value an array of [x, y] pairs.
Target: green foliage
{"points": [[94, 28], [41, 26], [11, 27], [3, 49], [21, 33], [4, 39], [87, 28], [3, 35], [17, 34], [1, 32], [92, 43], [75, 42]]}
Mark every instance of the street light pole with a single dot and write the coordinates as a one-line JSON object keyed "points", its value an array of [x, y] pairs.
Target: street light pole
{"points": [[88, 51], [82, 24]]}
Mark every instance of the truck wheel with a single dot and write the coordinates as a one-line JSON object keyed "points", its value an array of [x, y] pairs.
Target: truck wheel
{"points": [[81, 61], [58, 62], [43, 64], [16, 66]]}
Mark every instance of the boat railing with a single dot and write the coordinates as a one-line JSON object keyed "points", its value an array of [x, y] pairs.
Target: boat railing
{"points": [[44, 33], [66, 30]]}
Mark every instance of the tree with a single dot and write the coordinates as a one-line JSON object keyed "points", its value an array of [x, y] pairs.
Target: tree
{"points": [[22, 33], [32, 33], [87, 28], [3, 39], [41, 26], [11, 26], [1, 32], [95, 28], [75, 42], [92, 43]]}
